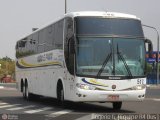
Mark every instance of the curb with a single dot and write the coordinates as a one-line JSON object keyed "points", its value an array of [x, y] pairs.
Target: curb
{"points": [[153, 86], [7, 88], [1, 87]]}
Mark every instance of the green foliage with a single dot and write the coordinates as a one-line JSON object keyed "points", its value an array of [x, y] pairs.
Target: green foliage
{"points": [[6, 59], [7, 67], [148, 68]]}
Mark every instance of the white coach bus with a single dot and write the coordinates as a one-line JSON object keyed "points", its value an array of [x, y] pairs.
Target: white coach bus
{"points": [[85, 57]]}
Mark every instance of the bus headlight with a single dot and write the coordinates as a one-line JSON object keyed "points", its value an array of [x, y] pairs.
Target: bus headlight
{"points": [[85, 86], [139, 87]]}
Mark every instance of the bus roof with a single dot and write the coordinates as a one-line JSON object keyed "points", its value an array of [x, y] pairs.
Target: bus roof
{"points": [[101, 14], [104, 14]]}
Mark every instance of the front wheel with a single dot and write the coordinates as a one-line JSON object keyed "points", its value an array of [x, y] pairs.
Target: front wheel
{"points": [[60, 95], [117, 105]]}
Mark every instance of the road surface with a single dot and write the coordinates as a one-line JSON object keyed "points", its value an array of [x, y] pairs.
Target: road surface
{"points": [[14, 107]]}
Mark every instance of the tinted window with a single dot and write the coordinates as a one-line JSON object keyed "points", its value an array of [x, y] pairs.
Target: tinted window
{"points": [[108, 26], [41, 41], [49, 43], [47, 39], [25, 47], [34, 42], [21, 47], [59, 35]]}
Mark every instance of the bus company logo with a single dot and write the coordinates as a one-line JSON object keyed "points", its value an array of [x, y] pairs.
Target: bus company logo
{"points": [[4, 116], [45, 57], [113, 86]]}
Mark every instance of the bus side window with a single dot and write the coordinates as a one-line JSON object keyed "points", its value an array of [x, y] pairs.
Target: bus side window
{"points": [[34, 43], [50, 38], [30, 46], [41, 41], [21, 47], [59, 35], [68, 41]]}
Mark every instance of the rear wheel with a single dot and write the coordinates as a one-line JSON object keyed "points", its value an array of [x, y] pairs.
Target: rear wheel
{"points": [[117, 105], [24, 91], [29, 96], [26, 94]]}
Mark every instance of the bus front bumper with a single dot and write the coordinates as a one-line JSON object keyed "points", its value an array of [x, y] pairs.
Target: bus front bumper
{"points": [[82, 95]]}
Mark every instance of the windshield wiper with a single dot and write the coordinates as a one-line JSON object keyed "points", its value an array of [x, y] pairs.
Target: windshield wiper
{"points": [[106, 60], [104, 64], [124, 61]]}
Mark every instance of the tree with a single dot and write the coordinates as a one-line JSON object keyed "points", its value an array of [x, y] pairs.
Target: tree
{"points": [[6, 59], [7, 67]]}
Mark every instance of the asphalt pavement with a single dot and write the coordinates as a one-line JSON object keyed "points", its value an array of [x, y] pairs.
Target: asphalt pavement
{"points": [[13, 106]]}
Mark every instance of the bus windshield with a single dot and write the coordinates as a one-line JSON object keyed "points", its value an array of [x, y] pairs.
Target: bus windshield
{"points": [[109, 56], [109, 47]]}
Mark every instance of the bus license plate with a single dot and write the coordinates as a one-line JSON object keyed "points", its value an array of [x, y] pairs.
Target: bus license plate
{"points": [[113, 97]]}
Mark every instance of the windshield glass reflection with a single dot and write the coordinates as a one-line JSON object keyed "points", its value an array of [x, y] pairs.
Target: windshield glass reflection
{"points": [[102, 56]]}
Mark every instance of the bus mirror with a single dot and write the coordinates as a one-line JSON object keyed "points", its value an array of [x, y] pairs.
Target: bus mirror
{"points": [[150, 47]]}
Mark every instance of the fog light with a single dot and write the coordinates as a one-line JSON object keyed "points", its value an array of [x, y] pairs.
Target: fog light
{"points": [[85, 86], [84, 95]]}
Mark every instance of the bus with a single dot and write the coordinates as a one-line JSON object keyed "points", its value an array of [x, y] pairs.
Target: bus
{"points": [[88, 56]]}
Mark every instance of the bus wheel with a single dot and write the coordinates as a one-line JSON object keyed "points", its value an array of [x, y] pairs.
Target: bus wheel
{"points": [[28, 94], [24, 92], [117, 105], [60, 95]]}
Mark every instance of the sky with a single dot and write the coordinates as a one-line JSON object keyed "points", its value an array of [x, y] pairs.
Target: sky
{"points": [[18, 17]]}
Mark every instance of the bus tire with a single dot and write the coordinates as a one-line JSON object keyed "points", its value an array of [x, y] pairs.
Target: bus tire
{"points": [[117, 105], [24, 91], [60, 93], [21, 85], [27, 93]]}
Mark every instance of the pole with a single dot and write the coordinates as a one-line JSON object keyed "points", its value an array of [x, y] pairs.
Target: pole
{"points": [[157, 50], [65, 6]]}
